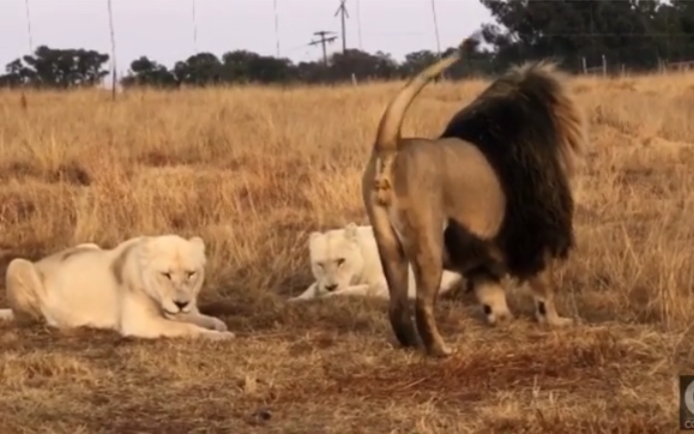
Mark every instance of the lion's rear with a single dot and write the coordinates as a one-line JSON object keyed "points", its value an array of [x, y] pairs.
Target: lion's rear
{"points": [[80, 288], [531, 132], [25, 291]]}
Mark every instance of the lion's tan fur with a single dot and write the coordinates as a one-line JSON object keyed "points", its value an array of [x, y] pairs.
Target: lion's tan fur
{"points": [[413, 188]]}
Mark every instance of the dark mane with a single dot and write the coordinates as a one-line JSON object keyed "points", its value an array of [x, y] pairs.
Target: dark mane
{"points": [[530, 131]]}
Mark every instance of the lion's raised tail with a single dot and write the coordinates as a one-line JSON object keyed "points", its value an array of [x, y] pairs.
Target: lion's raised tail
{"points": [[533, 134], [391, 122]]}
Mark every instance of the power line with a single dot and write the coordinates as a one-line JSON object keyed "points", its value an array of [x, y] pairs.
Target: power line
{"points": [[324, 39], [342, 10], [297, 47]]}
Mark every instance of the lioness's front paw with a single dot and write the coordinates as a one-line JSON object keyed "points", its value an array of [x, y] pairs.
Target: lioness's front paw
{"points": [[227, 335], [219, 325], [218, 336], [559, 321]]}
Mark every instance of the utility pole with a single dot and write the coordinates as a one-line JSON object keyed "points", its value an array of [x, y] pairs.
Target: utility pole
{"points": [[195, 30], [277, 28], [359, 25], [31, 43], [324, 39], [342, 10], [436, 27], [113, 49]]}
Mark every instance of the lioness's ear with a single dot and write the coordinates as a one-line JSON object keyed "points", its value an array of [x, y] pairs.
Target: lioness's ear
{"points": [[198, 243], [313, 236], [143, 243], [143, 248], [351, 231]]}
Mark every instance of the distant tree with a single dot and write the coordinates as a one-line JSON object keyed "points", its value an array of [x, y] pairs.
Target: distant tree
{"points": [[680, 18], [633, 33], [237, 66], [199, 69], [146, 72], [244, 66], [311, 72], [636, 34], [17, 75], [386, 66], [341, 66], [416, 61], [57, 68]]}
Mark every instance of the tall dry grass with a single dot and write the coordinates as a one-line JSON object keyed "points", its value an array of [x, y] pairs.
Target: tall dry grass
{"points": [[254, 170]]}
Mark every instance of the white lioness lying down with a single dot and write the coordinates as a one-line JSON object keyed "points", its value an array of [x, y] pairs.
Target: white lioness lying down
{"points": [[145, 287], [345, 262]]}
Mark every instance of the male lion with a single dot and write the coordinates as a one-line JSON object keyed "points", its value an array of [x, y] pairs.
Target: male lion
{"points": [[345, 262], [145, 287], [490, 197]]}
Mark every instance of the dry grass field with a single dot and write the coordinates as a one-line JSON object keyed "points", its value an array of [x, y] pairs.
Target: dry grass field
{"points": [[253, 171]]}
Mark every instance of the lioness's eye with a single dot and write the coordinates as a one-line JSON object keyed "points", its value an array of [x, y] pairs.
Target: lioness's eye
{"points": [[190, 274], [340, 262], [167, 275]]}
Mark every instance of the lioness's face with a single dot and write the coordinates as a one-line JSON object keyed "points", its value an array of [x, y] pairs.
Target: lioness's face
{"points": [[175, 270], [336, 260]]}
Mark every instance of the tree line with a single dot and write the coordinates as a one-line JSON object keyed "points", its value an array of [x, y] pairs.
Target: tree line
{"points": [[632, 34]]}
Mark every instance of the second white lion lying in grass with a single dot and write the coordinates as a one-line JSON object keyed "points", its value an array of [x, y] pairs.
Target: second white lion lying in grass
{"points": [[145, 287], [345, 262]]}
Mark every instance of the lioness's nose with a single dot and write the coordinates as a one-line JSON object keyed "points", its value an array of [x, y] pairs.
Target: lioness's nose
{"points": [[180, 304], [331, 288]]}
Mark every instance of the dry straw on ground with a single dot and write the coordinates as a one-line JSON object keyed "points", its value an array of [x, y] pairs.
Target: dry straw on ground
{"points": [[253, 171]]}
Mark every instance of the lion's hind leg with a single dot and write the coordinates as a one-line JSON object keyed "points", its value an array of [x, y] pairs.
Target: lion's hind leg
{"points": [[542, 287], [425, 247], [395, 269], [24, 290]]}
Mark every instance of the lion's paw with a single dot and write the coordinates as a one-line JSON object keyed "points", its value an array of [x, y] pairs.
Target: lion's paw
{"points": [[440, 351], [227, 335], [504, 317], [498, 317], [560, 322], [219, 335], [219, 325]]}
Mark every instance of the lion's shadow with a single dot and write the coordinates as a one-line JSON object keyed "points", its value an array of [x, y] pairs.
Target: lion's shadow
{"points": [[247, 313]]}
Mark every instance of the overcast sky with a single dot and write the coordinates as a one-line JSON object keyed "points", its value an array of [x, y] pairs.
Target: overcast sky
{"points": [[163, 29]]}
